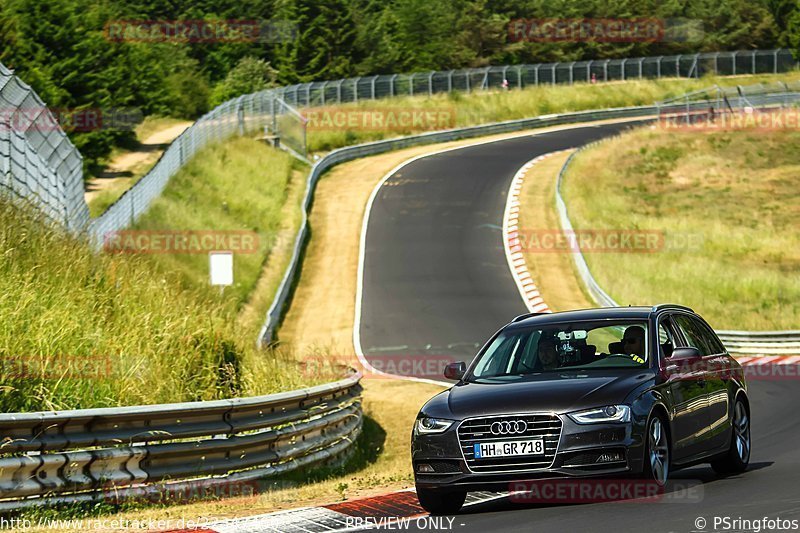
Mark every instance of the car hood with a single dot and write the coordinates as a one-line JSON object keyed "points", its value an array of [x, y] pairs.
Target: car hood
{"points": [[558, 392]]}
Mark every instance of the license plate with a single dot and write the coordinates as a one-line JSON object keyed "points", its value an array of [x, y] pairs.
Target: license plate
{"points": [[485, 450]]}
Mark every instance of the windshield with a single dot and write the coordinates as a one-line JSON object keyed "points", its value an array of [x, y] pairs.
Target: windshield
{"points": [[568, 345]]}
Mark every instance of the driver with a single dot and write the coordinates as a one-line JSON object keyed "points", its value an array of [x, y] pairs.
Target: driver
{"points": [[633, 343], [547, 354]]}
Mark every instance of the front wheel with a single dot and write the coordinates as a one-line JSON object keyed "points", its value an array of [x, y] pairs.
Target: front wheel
{"points": [[441, 503], [738, 455], [656, 463]]}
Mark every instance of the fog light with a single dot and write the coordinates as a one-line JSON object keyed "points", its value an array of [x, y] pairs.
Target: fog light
{"points": [[423, 468], [610, 457]]}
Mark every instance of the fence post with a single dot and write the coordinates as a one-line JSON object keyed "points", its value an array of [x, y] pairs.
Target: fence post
{"points": [[374, 79], [430, 83], [519, 76], [571, 72], [775, 62], [536, 74], [450, 81], [355, 89], [734, 62], [716, 63], [391, 85], [622, 67], [589, 70]]}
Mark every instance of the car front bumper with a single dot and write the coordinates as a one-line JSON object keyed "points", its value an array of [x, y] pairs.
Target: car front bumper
{"points": [[578, 455]]}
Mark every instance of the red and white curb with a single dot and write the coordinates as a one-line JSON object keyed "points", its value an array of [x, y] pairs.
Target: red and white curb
{"points": [[513, 246], [396, 508], [758, 360]]}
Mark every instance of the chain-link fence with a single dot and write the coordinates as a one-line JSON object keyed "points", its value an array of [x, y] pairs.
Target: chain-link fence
{"points": [[243, 115], [38, 163], [520, 76]]}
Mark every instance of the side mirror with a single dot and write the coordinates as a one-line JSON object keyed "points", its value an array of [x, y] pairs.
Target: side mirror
{"points": [[455, 371], [685, 355]]}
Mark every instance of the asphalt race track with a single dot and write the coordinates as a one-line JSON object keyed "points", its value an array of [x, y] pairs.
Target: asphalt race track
{"points": [[436, 282]]}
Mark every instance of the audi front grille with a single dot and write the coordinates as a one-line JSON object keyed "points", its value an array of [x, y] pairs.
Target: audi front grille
{"points": [[510, 428]]}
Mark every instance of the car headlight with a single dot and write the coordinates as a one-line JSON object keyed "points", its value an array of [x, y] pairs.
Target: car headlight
{"points": [[425, 425], [609, 413]]}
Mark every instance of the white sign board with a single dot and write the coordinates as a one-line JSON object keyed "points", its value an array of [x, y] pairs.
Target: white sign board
{"points": [[221, 268]]}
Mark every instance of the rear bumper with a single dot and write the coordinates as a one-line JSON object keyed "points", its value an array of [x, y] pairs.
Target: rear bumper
{"points": [[578, 455]]}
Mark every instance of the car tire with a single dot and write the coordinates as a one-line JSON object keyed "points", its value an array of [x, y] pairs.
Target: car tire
{"points": [[439, 502], [657, 450], [736, 459]]}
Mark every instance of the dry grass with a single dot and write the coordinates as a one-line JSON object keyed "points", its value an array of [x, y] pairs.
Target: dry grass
{"points": [[727, 203]]}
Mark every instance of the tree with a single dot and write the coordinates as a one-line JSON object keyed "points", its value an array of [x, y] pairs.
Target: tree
{"points": [[248, 76]]}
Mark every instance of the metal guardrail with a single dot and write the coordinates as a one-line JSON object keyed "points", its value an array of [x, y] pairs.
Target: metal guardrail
{"points": [[114, 454], [737, 342]]}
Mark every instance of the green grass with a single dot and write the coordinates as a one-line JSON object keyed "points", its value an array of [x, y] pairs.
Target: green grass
{"points": [[240, 185], [494, 106], [733, 194], [82, 329]]}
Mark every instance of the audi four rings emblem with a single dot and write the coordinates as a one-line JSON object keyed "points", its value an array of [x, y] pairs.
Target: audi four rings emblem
{"points": [[508, 427]]}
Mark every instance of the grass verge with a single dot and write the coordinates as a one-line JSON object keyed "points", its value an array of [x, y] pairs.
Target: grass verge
{"points": [[726, 205]]}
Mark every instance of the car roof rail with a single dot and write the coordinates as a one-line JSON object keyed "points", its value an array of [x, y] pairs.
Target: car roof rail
{"points": [[659, 307], [526, 315]]}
